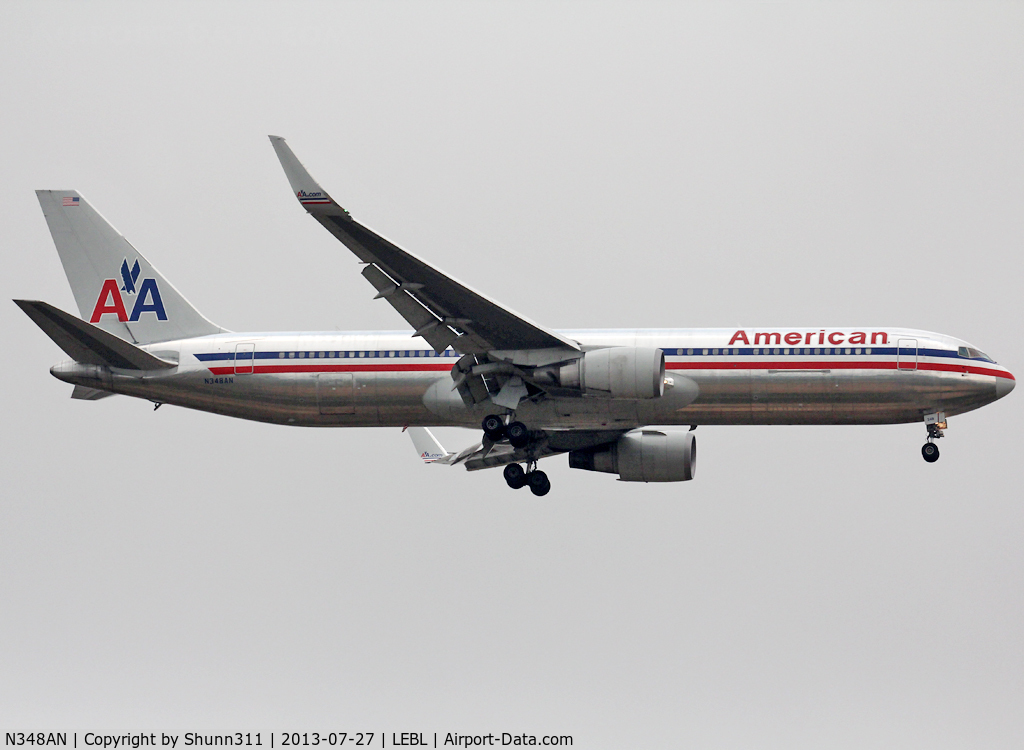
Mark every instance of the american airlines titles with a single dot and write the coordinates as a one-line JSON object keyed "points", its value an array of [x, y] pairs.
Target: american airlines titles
{"points": [[808, 338]]}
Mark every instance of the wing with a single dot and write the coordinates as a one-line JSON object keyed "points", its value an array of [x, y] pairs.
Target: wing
{"points": [[441, 309], [492, 455]]}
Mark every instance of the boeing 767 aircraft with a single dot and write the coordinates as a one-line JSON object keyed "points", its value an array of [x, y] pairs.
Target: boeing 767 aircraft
{"points": [[535, 391]]}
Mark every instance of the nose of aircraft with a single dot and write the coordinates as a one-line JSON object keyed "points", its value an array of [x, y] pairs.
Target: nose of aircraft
{"points": [[1004, 385]]}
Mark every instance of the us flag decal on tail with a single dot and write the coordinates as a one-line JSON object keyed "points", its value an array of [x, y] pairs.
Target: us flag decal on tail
{"points": [[70, 201]]}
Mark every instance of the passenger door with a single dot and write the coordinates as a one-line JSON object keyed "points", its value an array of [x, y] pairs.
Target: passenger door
{"points": [[244, 356], [906, 354]]}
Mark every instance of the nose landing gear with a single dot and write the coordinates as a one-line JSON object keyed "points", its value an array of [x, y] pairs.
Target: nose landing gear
{"points": [[935, 424]]}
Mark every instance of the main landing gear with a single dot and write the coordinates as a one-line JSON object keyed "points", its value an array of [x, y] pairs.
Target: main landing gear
{"points": [[518, 436], [495, 429], [536, 480], [935, 424]]}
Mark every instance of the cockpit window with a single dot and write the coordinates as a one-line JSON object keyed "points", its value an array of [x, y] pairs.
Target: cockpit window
{"points": [[971, 353]]}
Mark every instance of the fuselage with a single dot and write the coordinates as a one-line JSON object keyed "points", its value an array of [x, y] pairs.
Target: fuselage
{"points": [[713, 376]]}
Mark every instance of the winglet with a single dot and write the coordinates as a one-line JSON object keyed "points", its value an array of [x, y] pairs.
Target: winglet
{"points": [[428, 447], [313, 197]]}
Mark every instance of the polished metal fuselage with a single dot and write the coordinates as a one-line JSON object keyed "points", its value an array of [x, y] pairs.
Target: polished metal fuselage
{"points": [[387, 379]]}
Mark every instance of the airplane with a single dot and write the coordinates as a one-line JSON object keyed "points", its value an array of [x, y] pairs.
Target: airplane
{"points": [[613, 400]]}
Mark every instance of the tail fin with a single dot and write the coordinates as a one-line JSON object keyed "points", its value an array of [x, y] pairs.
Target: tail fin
{"points": [[115, 287]]}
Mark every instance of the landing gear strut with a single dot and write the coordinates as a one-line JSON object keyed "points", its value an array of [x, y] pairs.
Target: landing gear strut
{"points": [[935, 424]]}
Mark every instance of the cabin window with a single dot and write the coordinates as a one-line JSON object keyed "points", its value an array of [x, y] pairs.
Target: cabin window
{"points": [[280, 355], [867, 351], [689, 352], [857, 351]]}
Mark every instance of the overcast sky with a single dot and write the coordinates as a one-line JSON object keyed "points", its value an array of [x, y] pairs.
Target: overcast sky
{"points": [[590, 165]]}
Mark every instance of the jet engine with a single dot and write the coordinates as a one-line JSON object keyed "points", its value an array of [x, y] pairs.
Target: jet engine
{"points": [[618, 372], [643, 456]]}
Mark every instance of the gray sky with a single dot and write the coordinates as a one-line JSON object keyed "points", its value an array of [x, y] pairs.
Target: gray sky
{"points": [[590, 165]]}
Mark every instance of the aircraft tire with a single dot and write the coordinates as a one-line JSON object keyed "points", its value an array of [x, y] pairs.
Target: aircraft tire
{"points": [[930, 451], [493, 427], [518, 435], [515, 477], [539, 483]]}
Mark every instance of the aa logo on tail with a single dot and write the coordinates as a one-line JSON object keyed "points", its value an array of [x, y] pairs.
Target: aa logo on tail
{"points": [[130, 276], [147, 296]]}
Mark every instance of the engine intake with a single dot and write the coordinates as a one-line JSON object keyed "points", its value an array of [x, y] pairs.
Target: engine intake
{"points": [[643, 456], [618, 372]]}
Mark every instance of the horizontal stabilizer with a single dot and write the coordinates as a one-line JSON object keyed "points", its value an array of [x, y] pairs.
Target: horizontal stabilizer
{"points": [[84, 393], [87, 343]]}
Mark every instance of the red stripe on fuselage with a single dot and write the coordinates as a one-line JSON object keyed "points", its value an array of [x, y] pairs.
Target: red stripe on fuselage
{"points": [[717, 365], [268, 369], [815, 365]]}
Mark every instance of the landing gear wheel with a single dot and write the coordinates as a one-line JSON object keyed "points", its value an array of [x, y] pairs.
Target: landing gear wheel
{"points": [[515, 476], [539, 484], [930, 451], [518, 435], [493, 427]]}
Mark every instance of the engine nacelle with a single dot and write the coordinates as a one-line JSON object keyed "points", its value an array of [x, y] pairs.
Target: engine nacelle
{"points": [[618, 372], [643, 456]]}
